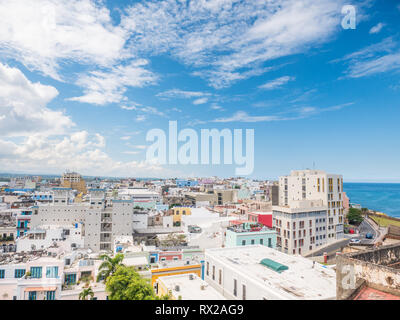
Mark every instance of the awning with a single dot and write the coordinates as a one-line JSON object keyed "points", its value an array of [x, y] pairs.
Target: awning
{"points": [[41, 289], [276, 266]]}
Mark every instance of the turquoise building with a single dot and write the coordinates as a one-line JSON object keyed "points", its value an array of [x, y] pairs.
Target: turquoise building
{"points": [[250, 234]]}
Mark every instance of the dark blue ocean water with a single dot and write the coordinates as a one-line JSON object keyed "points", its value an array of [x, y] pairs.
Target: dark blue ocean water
{"points": [[383, 197]]}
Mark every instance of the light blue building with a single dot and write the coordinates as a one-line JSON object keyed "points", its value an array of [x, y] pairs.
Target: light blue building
{"points": [[250, 234], [186, 183]]}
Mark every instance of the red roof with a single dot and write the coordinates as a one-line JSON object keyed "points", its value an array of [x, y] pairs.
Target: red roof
{"points": [[367, 293]]}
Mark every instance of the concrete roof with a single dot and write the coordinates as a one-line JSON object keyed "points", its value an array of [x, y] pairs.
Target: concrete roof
{"points": [[300, 281], [135, 261], [190, 289]]}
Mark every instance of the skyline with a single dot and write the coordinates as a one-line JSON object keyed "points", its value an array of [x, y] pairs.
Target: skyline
{"points": [[83, 85]]}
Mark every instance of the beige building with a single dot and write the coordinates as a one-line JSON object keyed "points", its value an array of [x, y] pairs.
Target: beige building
{"points": [[74, 181], [316, 185], [212, 198]]}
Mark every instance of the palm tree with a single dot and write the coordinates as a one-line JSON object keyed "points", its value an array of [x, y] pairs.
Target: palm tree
{"points": [[86, 293], [109, 265]]}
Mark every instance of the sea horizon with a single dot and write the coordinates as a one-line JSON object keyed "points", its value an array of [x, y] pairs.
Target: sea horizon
{"points": [[382, 197]]}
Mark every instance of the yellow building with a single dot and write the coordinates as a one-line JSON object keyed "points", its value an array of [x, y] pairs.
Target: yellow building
{"points": [[174, 270], [178, 212], [74, 181]]}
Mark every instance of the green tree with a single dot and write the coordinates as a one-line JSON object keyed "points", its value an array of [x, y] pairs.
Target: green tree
{"points": [[88, 292], [355, 216], [109, 266], [126, 284]]}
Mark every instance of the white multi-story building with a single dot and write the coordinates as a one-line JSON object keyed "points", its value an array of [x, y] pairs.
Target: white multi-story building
{"points": [[102, 220], [52, 277], [262, 273], [68, 237], [300, 228], [315, 185]]}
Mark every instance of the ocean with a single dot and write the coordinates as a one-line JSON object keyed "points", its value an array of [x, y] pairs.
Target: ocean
{"points": [[383, 197]]}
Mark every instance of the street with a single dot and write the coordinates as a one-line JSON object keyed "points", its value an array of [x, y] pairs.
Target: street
{"points": [[364, 228]]}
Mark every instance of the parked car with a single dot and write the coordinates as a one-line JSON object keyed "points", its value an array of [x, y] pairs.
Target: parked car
{"points": [[355, 241], [194, 229], [369, 235]]}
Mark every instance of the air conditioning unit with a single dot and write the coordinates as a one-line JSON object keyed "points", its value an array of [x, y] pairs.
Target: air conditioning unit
{"points": [[177, 288], [191, 277]]}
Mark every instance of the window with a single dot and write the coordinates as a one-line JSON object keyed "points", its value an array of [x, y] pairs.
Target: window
{"points": [[36, 272], [213, 273], [243, 292], [208, 268], [51, 272], [252, 241], [220, 277], [19, 273], [70, 278], [32, 295], [50, 295], [243, 242], [261, 241], [2, 273], [235, 287], [269, 242]]}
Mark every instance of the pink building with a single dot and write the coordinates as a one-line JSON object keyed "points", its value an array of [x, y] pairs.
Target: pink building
{"points": [[346, 201]]}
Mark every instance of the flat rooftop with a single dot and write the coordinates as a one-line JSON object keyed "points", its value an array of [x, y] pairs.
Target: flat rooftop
{"points": [[191, 287], [303, 280]]}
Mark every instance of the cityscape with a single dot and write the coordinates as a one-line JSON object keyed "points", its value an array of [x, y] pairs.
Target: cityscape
{"points": [[200, 154], [71, 238]]}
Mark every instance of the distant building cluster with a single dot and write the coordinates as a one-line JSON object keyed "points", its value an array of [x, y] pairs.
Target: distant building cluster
{"points": [[204, 238]]}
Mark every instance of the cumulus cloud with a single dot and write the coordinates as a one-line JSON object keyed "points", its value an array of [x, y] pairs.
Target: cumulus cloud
{"points": [[23, 106], [103, 87], [41, 34], [79, 150]]}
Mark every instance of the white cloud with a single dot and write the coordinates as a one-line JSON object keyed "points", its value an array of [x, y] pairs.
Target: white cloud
{"points": [[131, 152], [202, 97], [372, 66], [143, 109], [140, 118], [296, 114], [177, 93], [242, 116], [23, 106], [200, 101], [102, 87], [125, 138], [377, 58], [216, 107], [377, 28], [43, 33], [276, 83], [80, 151], [228, 40]]}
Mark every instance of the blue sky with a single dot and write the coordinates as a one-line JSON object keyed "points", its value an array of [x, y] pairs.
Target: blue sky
{"points": [[82, 82]]}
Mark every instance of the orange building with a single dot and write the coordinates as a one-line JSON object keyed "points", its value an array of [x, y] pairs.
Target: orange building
{"points": [[174, 270]]}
